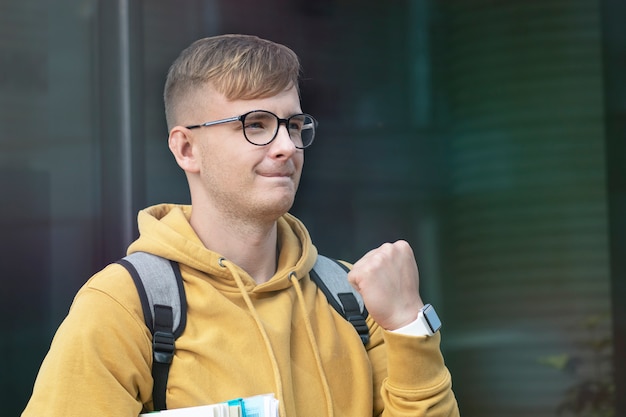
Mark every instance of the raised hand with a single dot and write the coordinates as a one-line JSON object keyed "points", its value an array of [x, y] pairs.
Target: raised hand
{"points": [[388, 280]]}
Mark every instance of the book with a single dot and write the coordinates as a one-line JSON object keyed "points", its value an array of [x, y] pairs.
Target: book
{"points": [[260, 406], [265, 405]]}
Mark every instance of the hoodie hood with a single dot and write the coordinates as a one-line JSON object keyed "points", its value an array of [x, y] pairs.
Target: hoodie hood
{"points": [[164, 230]]}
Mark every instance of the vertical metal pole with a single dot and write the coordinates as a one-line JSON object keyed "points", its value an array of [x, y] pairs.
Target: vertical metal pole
{"points": [[120, 51], [126, 189], [614, 45]]}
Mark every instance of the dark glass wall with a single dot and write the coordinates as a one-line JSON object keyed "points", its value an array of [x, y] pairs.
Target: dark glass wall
{"points": [[527, 272], [476, 130]]}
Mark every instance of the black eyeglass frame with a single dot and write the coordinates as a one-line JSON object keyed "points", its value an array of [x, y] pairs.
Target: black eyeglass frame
{"points": [[242, 119]]}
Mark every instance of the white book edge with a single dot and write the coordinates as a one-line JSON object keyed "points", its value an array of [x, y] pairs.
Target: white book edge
{"points": [[263, 405]]}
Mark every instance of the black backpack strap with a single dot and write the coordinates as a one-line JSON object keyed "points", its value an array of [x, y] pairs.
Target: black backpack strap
{"points": [[160, 288], [163, 353], [331, 277]]}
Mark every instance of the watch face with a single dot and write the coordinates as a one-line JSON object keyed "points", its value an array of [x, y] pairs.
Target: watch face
{"points": [[432, 318]]}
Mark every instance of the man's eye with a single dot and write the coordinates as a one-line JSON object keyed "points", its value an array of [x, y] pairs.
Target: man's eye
{"points": [[295, 126], [255, 125]]}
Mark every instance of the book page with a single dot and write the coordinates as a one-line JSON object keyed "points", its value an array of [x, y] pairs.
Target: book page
{"points": [[265, 405]]}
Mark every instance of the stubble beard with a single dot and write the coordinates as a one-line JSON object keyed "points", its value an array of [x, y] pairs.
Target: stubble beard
{"points": [[259, 208]]}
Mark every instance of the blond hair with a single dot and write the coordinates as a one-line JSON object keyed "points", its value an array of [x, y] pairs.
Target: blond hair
{"points": [[241, 67]]}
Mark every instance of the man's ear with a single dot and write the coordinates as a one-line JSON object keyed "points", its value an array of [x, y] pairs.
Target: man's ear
{"points": [[184, 149]]}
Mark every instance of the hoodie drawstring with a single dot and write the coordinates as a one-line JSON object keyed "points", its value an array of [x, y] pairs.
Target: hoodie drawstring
{"points": [[224, 263], [309, 330]]}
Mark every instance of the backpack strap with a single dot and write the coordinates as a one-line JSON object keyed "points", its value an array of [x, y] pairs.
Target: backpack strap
{"points": [[164, 305], [331, 277]]}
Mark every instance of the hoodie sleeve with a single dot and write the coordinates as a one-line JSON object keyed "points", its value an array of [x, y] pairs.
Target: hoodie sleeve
{"points": [[99, 362], [410, 375]]}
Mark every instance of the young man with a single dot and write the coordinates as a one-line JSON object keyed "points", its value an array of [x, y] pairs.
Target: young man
{"points": [[256, 323]]}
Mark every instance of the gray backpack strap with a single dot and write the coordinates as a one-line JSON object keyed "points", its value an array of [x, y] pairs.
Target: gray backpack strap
{"points": [[158, 282], [160, 288], [331, 277]]}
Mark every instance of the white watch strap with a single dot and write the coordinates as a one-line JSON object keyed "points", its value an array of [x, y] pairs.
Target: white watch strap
{"points": [[419, 327]]}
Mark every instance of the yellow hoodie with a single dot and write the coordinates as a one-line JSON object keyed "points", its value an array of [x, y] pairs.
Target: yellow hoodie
{"points": [[241, 339]]}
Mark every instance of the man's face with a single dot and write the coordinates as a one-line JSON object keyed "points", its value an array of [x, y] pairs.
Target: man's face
{"points": [[241, 179]]}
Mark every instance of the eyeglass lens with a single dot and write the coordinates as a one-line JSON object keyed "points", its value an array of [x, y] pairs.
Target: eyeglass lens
{"points": [[261, 127]]}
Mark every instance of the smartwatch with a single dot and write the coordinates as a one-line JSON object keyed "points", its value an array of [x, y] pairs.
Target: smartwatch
{"points": [[428, 321]]}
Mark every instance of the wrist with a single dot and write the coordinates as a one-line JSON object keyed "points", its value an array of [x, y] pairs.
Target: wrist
{"points": [[427, 323]]}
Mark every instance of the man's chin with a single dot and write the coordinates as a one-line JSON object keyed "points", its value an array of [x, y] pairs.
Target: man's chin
{"points": [[276, 208]]}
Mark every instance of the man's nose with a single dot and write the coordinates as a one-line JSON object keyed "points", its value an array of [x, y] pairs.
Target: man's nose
{"points": [[283, 139]]}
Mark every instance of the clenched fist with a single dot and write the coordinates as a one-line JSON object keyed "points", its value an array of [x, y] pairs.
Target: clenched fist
{"points": [[388, 280]]}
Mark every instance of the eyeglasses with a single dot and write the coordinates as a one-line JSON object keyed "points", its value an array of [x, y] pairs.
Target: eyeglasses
{"points": [[260, 127]]}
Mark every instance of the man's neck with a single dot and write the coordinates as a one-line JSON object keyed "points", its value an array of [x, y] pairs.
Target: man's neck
{"points": [[249, 244]]}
